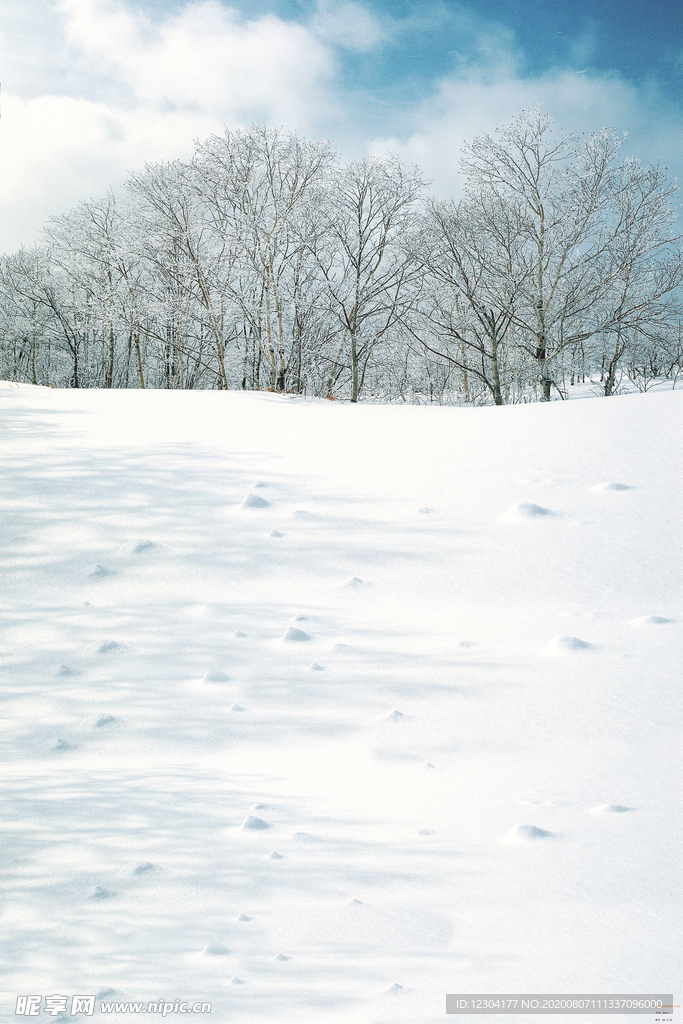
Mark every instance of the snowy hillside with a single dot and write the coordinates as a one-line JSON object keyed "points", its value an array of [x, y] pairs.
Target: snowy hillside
{"points": [[317, 712]]}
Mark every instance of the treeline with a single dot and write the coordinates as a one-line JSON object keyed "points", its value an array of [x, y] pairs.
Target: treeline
{"points": [[266, 263]]}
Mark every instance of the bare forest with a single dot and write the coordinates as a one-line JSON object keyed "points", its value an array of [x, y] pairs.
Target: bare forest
{"points": [[265, 262]]}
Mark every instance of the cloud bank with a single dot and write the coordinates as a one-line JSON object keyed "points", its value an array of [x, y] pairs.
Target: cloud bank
{"points": [[92, 89]]}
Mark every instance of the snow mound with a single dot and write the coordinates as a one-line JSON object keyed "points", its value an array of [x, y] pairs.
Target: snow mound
{"points": [[254, 501], [101, 894], [144, 868], [355, 903], [215, 949], [66, 670], [650, 620], [294, 635], [242, 917], [274, 855], [236, 707], [426, 511], [610, 809], [239, 634], [527, 834], [302, 513], [315, 667], [275, 533], [568, 644], [280, 956], [236, 981], [252, 823], [62, 745], [467, 643], [428, 765], [393, 990], [601, 488], [426, 832], [523, 510], [215, 676], [393, 716]]}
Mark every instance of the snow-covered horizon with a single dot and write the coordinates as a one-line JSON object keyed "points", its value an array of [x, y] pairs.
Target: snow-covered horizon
{"points": [[318, 711]]}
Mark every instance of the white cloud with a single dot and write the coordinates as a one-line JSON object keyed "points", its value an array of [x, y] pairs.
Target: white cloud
{"points": [[349, 25], [463, 107], [150, 89]]}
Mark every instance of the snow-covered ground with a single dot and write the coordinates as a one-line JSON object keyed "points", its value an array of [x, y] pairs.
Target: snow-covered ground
{"points": [[404, 722]]}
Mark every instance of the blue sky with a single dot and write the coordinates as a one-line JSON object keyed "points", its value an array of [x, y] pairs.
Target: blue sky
{"points": [[93, 88]]}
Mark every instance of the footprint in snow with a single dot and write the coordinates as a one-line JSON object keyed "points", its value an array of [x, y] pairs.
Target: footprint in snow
{"points": [[61, 746], [610, 809], [294, 635], [145, 868], [215, 676], [110, 647], [607, 486], [353, 583], [253, 824], [101, 570], [651, 620], [215, 949], [523, 511], [107, 720], [254, 501], [527, 834], [568, 645], [101, 894]]}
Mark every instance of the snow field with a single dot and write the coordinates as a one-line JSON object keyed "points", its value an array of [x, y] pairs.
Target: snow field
{"points": [[384, 733]]}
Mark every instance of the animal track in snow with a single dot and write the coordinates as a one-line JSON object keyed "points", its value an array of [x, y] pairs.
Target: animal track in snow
{"points": [[215, 949], [110, 647], [610, 809], [294, 635], [106, 720], [62, 745], [527, 834], [651, 620], [101, 894], [145, 868], [568, 645], [522, 511], [101, 570], [607, 486], [215, 676], [254, 501], [252, 823]]}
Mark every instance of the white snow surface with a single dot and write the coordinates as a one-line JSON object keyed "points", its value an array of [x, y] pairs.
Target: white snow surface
{"points": [[297, 862]]}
